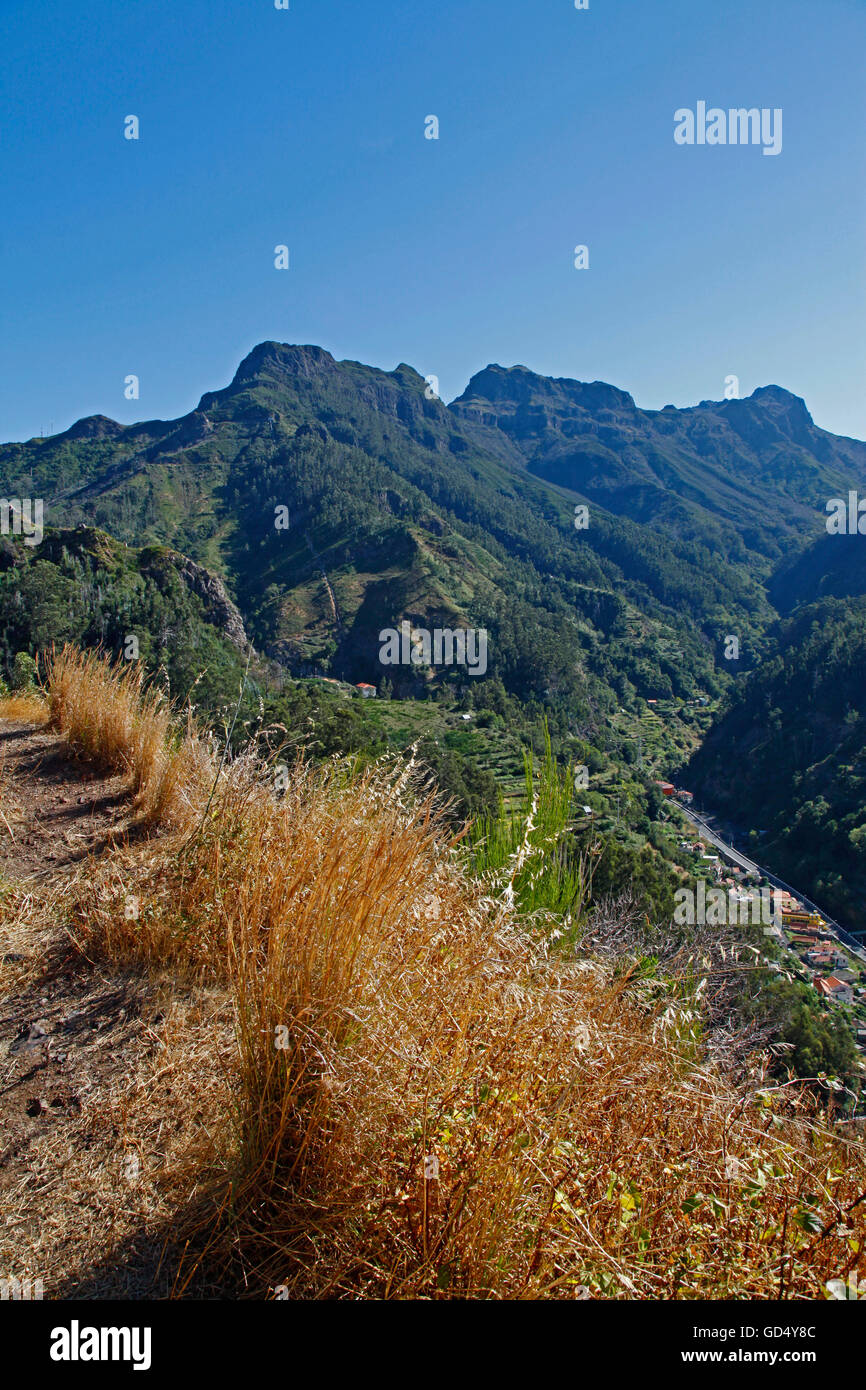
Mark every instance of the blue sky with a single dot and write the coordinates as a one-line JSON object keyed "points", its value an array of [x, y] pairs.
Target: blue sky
{"points": [[262, 127]]}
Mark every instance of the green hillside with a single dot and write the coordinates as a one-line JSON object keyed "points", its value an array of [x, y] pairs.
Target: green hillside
{"points": [[334, 500], [256, 549], [787, 758], [393, 509]]}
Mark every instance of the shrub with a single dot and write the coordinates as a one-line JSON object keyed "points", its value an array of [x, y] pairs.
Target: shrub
{"points": [[24, 672]]}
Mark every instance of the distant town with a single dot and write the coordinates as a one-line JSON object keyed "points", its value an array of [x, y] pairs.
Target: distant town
{"points": [[812, 948]]}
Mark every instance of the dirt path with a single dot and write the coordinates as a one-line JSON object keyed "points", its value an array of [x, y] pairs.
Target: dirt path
{"points": [[55, 809], [86, 1126]]}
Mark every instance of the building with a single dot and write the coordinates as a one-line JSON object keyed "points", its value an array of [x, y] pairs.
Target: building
{"points": [[798, 917], [666, 787], [366, 690], [802, 936], [842, 991], [836, 990], [828, 951], [821, 958]]}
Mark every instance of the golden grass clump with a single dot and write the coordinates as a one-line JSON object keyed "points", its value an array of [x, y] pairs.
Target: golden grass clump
{"points": [[107, 714], [24, 707], [427, 1100]]}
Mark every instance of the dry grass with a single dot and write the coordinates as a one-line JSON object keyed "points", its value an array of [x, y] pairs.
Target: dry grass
{"points": [[26, 708], [94, 1210], [390, 1019], [108, 715]]}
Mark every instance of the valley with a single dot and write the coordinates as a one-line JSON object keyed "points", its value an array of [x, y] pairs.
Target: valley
{"points": [[700, 624]]}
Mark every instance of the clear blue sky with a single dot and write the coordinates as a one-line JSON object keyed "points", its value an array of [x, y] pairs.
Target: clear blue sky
{"points": [[306, 127]]}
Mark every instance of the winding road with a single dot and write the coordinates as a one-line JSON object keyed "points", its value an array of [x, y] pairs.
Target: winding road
{"points": [[750, 866]]}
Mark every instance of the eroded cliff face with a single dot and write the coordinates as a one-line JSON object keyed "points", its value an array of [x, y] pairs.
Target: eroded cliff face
{"points": [[218, 607]]}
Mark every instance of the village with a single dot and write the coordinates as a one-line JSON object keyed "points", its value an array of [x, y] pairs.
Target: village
{"points": [[809, 947]]}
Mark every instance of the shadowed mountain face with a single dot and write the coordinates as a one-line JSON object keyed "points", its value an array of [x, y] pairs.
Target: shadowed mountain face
{"points": [[744, 474], [787, 756], [335, 499], [832, 567]]}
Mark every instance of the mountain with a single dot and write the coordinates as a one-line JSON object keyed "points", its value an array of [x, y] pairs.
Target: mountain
{"points": [[326, 501], [401, 507], [832, 567], [81, 585], [609, 553], [786, 754], [746, 475]]}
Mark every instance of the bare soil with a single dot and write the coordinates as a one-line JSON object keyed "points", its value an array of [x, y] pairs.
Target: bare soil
{"points": [[95, 1153]]}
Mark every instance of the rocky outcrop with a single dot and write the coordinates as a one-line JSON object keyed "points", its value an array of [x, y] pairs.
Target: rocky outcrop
{"points": [[218, 607]]}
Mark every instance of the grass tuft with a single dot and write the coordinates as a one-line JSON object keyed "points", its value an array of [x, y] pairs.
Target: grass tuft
{"points": [[24, 708]]}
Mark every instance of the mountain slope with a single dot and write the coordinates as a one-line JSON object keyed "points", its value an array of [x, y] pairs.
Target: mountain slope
{"points": [[744, 474], [397, 508], [788, 757], [152, 604], [586, 1133], [832, 567], [335, 500]]}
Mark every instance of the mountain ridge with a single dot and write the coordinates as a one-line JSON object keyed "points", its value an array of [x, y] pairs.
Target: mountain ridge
{"points": [[701, 523], [403, 506]]}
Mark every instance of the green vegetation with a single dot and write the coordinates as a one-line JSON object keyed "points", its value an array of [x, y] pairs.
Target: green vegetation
{"points": [[812, 1043], [85, 587], [310, 504], [787, 757], [23, 673], [526, 851]]}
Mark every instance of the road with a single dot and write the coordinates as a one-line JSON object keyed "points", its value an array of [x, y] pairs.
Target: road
{"points": [[750, 866]]}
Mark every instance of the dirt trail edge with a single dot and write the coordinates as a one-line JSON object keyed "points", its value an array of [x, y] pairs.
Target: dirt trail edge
{"points": [[86, 1124]]}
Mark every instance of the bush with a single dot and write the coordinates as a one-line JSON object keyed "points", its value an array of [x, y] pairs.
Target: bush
{"points": [[23, 675]]}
